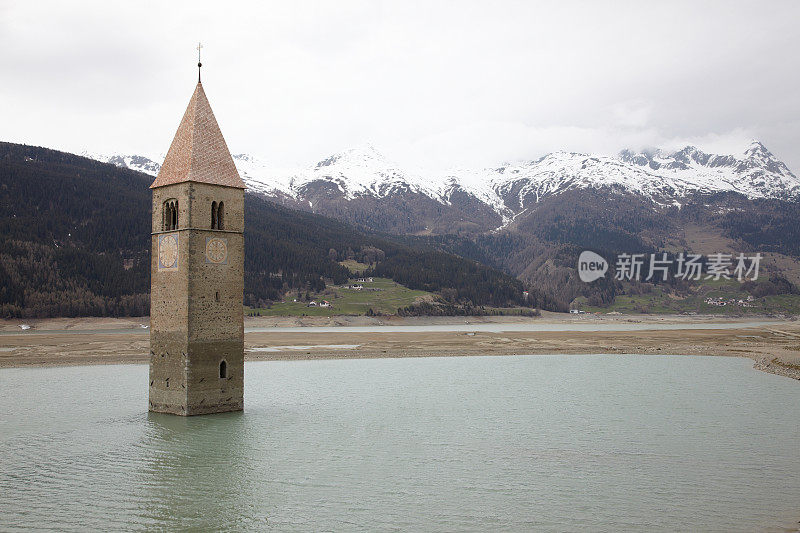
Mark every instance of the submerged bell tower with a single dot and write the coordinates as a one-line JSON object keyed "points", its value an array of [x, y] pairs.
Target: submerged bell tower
{"points": [[197, 272]]}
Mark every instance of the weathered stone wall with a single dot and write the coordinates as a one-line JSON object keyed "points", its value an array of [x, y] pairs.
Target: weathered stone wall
{"points": [[180, 192], [202, 195], [208, 393], [196, 310], [169, 311]]}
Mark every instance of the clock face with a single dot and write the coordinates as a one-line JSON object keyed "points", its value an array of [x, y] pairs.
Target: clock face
{"points": [[168, 252], [216, 250]]}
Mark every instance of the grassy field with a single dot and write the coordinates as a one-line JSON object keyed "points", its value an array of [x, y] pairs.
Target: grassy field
{"points": [[661, 301], [354, 266], [382, 296]]}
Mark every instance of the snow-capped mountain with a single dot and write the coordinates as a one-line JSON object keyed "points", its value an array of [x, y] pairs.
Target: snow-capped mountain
{"points": [[364, 177], [356, 172], [665, 178], [133, 162]]}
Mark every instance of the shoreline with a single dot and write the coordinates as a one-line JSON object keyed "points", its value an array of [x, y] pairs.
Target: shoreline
{"points": [[773, 344], [141, 324]]}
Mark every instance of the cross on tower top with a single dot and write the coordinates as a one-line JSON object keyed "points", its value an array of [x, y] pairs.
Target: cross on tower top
{"points": [[199, 64]]}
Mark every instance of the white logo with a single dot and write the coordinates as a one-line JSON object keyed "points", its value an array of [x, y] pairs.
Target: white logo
{"points": [[591, 266]]}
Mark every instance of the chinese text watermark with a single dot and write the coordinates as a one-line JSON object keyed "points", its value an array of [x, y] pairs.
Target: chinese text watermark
{"points": [[658, 267]]}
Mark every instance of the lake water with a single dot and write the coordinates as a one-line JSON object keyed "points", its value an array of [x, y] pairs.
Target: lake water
{"points": [[546, 443]]}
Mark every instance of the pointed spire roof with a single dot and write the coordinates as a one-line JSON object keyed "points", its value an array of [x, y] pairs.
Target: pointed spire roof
{"points": [[198, 152]]}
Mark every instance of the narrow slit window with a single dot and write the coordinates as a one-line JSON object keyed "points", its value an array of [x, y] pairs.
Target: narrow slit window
{"points": [[223, 370]]}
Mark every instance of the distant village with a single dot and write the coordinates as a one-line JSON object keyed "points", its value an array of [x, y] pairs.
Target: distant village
{"points": [[719, 301], [358, 285]]}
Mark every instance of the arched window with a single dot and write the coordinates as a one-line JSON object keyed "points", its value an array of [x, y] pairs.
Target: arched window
{"points": [[223, 370], [169, 215], [221, 216], [213, 215]]}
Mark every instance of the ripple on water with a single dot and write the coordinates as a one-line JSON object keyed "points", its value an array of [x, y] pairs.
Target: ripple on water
{"points": [[516, 443]]}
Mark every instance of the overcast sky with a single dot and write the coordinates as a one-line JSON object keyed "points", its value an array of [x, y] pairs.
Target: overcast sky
{"points": [[429, 83]]}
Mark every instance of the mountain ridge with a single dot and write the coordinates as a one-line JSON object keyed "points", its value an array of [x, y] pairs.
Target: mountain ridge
{"points": [[665, 178]]}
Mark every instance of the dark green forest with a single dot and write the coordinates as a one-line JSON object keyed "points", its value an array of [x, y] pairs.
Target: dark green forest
{"points": [[75, 237], [472, 282]]}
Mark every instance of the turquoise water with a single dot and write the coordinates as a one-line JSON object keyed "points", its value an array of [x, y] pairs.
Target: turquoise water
{"points": [[545, 443]]}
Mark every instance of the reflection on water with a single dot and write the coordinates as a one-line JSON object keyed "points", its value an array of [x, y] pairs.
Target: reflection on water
{"points": [[548, 443], [194, 473]]}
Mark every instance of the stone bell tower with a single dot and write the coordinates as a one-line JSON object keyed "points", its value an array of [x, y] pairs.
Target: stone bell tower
{"points": [[197, 272]]}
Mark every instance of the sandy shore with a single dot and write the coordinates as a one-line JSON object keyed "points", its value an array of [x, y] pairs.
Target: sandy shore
{"points": [[774, 347]]}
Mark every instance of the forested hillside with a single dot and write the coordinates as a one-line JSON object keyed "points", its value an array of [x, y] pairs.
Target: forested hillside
{"points": [[75, 233], [74, 236], [542, 246]]}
